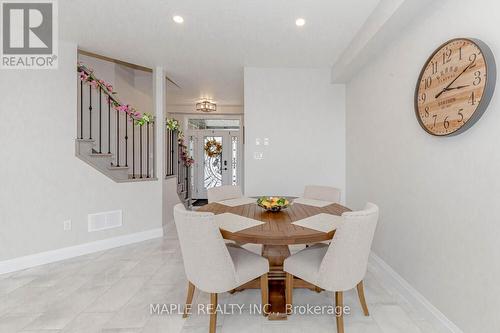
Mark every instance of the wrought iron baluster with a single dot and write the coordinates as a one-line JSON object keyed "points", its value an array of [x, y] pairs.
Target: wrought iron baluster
{"points": [[109, 125], [100, 120], [117, 138], [187, 182], [172, 152], [167, 155], [154, 148], [81, 109], [179, 170], [90, 112], [147, 151], [140, 150], [126, 140], [133, 150]]}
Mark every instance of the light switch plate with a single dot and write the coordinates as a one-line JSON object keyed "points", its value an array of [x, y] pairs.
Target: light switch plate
{"points": [[258, 155], [67, 225]]}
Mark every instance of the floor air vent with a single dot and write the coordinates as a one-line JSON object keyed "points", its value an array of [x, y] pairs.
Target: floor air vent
{"points": [[105, 220]]}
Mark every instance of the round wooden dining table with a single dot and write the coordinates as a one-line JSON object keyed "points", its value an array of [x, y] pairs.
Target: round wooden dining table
{"points": [[275, 235]]}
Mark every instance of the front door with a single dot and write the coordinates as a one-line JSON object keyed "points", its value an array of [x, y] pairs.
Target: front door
{"points": [[217, 156]]}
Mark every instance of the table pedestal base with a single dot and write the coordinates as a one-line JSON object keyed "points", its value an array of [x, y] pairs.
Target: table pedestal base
{"points": [[276, 254]]}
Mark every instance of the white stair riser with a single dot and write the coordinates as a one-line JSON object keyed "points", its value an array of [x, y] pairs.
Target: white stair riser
{"points": [[121, 174], [84, 147], [101, 161]]}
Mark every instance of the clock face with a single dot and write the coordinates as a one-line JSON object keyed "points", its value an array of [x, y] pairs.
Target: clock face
{"points": [[455, 86]]}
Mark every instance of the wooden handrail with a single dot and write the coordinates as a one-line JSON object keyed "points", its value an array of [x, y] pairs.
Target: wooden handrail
{"points": [[123, 63]]}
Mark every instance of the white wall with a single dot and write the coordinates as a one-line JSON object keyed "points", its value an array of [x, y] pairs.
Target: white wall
{"points": [[438, 196], [303, 115], [43, 183], [135, 87]]}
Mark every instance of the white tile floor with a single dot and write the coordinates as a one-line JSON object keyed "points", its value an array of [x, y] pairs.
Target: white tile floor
{"points": [[111, 291]]}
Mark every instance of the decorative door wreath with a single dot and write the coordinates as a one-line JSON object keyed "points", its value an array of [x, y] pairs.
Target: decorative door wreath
{"points": [[213, 148]]}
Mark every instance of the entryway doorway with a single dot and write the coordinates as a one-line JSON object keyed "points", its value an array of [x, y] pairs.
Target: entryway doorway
{"points": [[216, 145]]}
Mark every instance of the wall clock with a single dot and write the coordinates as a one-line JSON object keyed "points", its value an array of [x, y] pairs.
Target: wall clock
{"points": [[455, 86]]}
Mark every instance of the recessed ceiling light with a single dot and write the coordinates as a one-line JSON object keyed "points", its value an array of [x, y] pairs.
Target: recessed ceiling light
{"points": [[300, 22], [178, 19]]}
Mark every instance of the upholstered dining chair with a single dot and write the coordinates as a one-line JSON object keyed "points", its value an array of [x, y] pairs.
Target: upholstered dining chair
{"points": [[224, 192], [210, 264], [324, 193], [340, 266]]}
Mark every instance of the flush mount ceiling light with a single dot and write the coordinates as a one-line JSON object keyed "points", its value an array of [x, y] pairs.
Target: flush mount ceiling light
{"points": [[206, 106], [178, 19], [300, 22]]}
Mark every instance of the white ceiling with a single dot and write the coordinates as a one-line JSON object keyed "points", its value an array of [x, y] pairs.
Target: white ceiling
{"points": [[206, 54]]}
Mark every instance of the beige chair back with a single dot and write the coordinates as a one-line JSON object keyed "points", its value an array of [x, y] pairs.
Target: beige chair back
{"points": [[324, 193], [346, 259], [207, 261], [225, 192]]}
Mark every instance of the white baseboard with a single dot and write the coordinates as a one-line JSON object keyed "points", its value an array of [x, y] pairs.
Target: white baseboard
{"points": [[415, 298], [42, 258]]}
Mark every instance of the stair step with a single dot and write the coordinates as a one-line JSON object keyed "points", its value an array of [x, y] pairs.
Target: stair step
{"points": [[113, 167], [137, 176], [100, 155], [85, 150], [143, 179]]}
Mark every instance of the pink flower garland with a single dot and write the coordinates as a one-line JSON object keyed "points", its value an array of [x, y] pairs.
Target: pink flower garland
{"points": [[89, 78], [125, 108], [173, 125], [186, 159]]}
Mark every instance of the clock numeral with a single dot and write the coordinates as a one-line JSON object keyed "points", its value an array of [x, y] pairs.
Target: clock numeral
{"points": [[460, 53], [472, 99], [446, 123], [434, 67], [446, 56], [428, 82], [461, 115], [426, 112], [477, 78], [423, 97], [435, 119], [472, 59]]}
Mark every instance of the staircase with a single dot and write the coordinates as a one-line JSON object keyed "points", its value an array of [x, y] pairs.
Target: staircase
{"points": [[176, 168], [113, 137]]}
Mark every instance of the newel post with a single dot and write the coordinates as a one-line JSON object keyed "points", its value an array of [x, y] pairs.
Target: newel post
{"points": [[160, 105], [158, 129]]}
